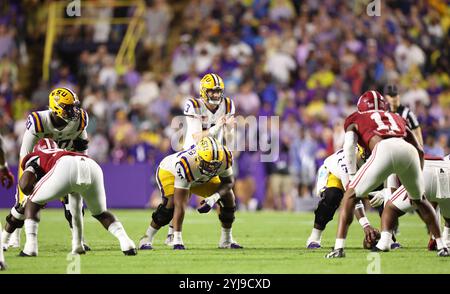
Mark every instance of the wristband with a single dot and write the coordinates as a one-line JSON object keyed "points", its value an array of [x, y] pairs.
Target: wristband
{"points": [[364, 222], [5, 165]]}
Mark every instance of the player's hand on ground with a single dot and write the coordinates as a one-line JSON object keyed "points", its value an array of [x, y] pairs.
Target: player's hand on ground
{"points": [[377, 198], [372, 235], [6, 177], [208, 203]]}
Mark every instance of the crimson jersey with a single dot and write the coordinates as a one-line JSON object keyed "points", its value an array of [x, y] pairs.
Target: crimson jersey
{"points": [[43, 160], [371, 123]]}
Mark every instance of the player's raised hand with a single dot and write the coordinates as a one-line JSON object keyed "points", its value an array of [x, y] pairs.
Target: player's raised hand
{"points": [[6, 177]]}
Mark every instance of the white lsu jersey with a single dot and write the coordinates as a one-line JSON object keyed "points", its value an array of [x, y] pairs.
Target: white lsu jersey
{"points": [[39, 125], [336, 165], [184, 167], [200, 118]]}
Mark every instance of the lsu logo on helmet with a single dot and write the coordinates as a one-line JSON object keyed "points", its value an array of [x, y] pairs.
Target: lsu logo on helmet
{"points": [[209, 84], [64, 103], [210, 155]]}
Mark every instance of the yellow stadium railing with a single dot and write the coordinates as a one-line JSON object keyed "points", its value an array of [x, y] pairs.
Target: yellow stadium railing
{"points": [[126, 53]]}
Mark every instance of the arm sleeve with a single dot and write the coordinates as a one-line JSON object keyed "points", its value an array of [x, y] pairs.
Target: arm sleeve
{"points": [[350, 141], [180, 178], [194, 125], [29, 139]]}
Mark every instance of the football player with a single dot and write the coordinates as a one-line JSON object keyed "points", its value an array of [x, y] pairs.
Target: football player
{"points": [[65, 122], [436, 173], [204, 169], [50, 172], [7, 180], [332, 178], [210, 115], [394, 150]]}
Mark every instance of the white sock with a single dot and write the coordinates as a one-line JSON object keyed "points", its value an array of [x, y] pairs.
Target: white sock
{"points": [[339, 243], [170, 231], [5, 237], [439, 244], [151, 232], [226, 235], [445, 234], [2, 257], [118, 231], [316, 235], [177, 239], [385, 241], [15, 237], [31, 231]]}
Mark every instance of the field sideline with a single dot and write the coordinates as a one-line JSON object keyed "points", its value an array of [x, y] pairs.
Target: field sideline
{"points": [[274, 243]]}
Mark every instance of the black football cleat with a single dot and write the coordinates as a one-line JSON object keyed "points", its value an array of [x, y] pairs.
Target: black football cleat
{"points": [[23, 254], [336, 253], [86, 247], [443, 252], [2, 266], [130, 252], [376, 249], [178, 247]]}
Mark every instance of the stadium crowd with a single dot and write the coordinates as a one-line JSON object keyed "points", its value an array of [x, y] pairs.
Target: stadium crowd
{"points": [[299, 60]]}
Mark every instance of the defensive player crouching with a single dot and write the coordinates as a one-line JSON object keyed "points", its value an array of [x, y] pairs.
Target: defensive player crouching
{"points": [[394, 150], [206, 170], [50, 172], [436, 173]]}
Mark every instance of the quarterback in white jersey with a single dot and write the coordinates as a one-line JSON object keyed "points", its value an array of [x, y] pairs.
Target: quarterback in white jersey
{"points": [[210, 114], [65, 122], [204, 169], [332, 180]]}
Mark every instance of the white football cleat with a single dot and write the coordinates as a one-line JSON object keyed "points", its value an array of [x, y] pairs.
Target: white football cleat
{"points": [[169, 240], [145, 243], [229, 245]]}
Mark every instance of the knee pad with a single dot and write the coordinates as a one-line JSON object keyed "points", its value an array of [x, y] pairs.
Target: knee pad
{"points": [[331, 199], [226, 214], [162, 215], [14, 222]]}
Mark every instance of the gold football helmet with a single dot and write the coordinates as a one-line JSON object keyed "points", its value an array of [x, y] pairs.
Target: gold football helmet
{"points": [[210, 154], [64, 103], [211, 84]]}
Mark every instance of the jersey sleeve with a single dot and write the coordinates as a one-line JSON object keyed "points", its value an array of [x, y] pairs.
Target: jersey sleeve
{"points": [[350, 120], [229, 107], [191, 107], [194, 125], [33, 132], [413, 122], [181, 177]]}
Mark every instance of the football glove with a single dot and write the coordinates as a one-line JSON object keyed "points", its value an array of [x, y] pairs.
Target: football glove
{"points": [[377, 198], [208, 203], [6, 177]]}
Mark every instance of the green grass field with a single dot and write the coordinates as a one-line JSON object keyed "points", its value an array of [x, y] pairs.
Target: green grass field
{"points": [[274, 243]]}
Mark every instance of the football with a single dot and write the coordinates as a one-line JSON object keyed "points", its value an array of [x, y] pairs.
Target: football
{"points": [[369, 245]]}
